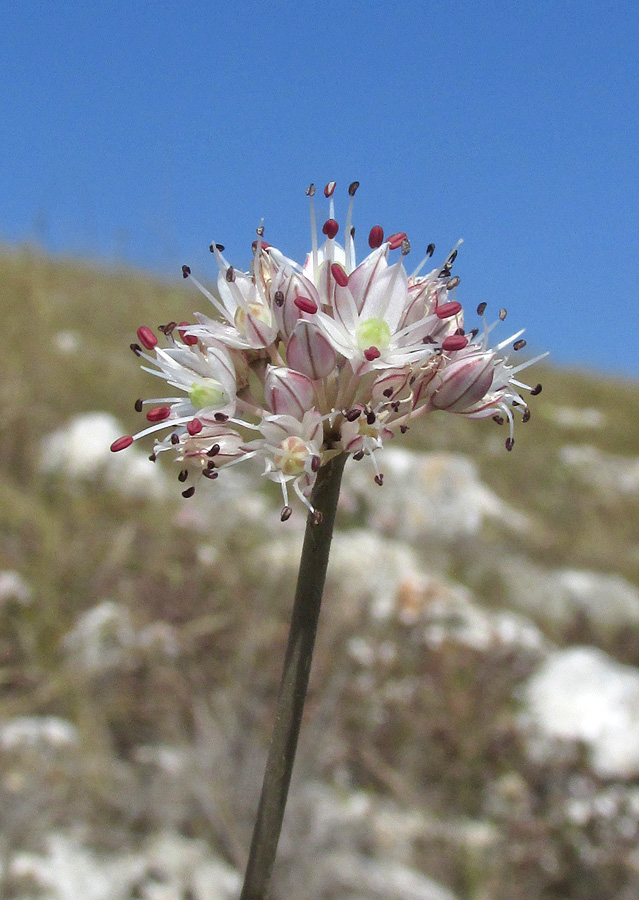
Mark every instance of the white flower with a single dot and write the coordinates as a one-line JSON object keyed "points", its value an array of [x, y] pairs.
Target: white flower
{"points": [[307, 361]]}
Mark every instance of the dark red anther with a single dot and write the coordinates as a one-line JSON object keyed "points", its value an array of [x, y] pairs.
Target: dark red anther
{"points": [[305, 304], [153, 458], [353, 187], [339, 274], [287, 512], [519, 345], [379, 479], [175, 439], [138, 404], [388, 392], [221, 417], [352, 414], [279, 298], [186, 271], [264, 244], [189, 339], [310, 190], [481, 309], [136, 349], [510, 443], [210, 474], [184, 474], [525, 416], [446, 310], [122, 443], [215, 449], [168, 328], [502, 314], [359, 455], [194, 427], [316, 463], [213, 247], [499, 419], [396, 240], [370, 417], [372, 353], [403, 428], [230, 273], [330, 228], [536, 390], [316, 517], [453, 283], [455, 342], [158, 413], [146, 337], [188, 492], [376, 237], [430, 250], [329, 189]]}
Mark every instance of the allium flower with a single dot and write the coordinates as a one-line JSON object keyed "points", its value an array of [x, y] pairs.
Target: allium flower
{"points": [[305, 361]]}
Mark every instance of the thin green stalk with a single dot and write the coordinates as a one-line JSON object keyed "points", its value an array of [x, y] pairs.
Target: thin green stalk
{"points": [[297, 666]]}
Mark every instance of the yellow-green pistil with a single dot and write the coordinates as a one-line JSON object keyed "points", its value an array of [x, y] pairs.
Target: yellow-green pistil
{"points": [[373, 333], [207, 392]]}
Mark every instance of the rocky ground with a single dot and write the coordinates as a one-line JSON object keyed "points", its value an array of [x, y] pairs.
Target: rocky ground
{"points": [[472, 730]]}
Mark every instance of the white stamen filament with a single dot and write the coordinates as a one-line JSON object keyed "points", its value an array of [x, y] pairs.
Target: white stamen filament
{"points": [[209, 296]]}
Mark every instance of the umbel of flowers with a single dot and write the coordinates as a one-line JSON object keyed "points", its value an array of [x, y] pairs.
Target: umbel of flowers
{"points": [[300, 362]]}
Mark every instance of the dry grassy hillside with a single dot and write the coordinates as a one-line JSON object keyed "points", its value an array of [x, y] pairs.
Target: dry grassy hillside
{"points": [[151, 629]]}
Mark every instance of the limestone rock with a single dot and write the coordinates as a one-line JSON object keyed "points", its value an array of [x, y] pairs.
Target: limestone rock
{"points": [[581, 694], [425, 496]]}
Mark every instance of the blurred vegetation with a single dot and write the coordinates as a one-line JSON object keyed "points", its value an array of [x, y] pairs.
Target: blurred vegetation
{"points": [[78, 544]]}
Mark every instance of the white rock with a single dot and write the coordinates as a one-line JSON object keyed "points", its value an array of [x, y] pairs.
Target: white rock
{"points": [[38, 732], [609, 473], [81, 449], [215, 879], [425, 496], [370, 879], [14, 587], [324, 834], [371, 573], [366, 567], [563, 596], [187, 864], [104, 638], [581, 694], [69, 871], [572, 417], [67, 342], [101, 638]]}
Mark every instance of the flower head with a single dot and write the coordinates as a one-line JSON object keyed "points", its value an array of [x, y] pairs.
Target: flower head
{"points": [[301, 362]]}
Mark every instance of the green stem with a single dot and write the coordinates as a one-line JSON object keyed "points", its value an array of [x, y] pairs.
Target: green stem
{"points": [[297, 666]]}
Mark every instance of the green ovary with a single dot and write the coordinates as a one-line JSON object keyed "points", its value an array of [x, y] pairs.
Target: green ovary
{"points": [[207, 392], [373, 333]]}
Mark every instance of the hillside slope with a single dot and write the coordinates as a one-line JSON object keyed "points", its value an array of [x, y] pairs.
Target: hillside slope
{"points": [[151, 628]]}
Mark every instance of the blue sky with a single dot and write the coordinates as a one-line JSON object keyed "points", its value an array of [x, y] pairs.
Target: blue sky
{"points": [[140, 131]]}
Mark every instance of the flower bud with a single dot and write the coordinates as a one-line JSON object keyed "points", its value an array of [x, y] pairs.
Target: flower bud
{"points": [[288, 392], [390, 384], [463, 383], [257, 324], [309, 351], [289, 285]]}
